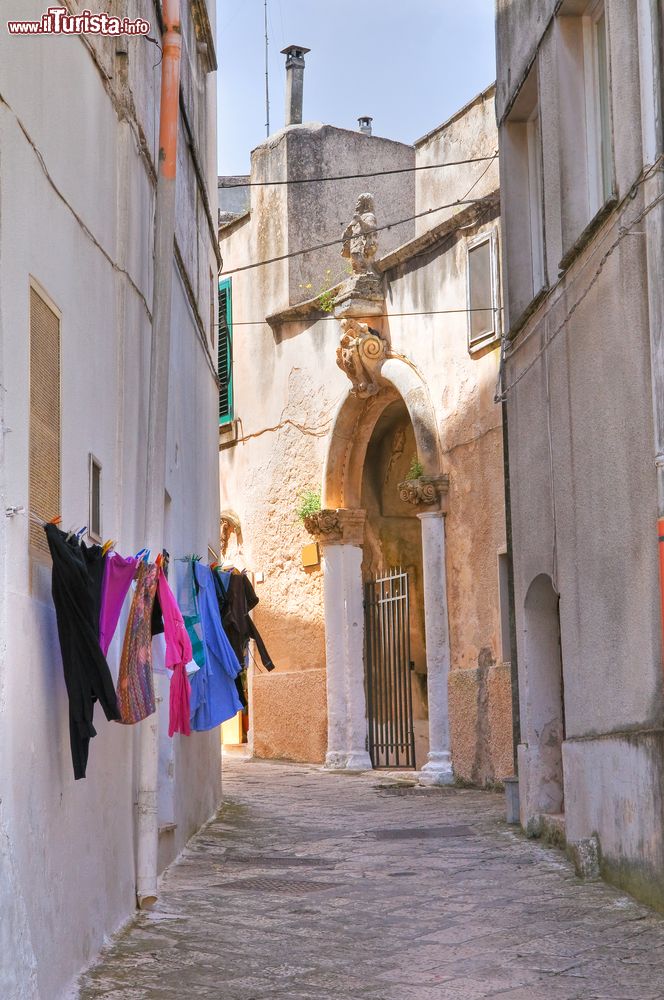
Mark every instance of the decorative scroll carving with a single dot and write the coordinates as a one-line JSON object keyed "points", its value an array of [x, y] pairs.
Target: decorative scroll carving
{"points": [[337, 527], [361, 351], [425, 490]]}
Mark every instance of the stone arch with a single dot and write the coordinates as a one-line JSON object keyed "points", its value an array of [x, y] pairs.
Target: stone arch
{"points": [[545, 711], [354, 423]]}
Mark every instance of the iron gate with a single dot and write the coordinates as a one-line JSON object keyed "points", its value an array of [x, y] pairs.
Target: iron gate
{"points": [[387, 653]]}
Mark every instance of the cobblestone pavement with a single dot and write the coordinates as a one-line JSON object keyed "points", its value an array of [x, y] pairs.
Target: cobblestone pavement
{"points": [[314, 886]]}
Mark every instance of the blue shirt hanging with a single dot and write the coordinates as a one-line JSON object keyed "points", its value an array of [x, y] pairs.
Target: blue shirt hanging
{"points": [[213, 690]]}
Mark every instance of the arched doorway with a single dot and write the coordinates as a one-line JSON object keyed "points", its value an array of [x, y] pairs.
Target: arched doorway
{"points": [[362, 422], [393, 538], [544, 694]]}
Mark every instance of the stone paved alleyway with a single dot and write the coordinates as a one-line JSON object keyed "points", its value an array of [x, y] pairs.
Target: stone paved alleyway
{"points": [[313, 886]]}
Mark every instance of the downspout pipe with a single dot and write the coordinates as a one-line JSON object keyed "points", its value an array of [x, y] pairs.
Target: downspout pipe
{"points": [[514, 667], [650, 26], [164, 234]]}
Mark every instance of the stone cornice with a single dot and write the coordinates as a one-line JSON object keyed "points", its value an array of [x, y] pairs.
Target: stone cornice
{"points": [[468, 215]]}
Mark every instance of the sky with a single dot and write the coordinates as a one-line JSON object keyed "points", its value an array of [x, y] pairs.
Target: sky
{"points": [[410, 64]]}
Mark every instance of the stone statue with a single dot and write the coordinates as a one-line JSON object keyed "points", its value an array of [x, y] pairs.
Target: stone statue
{"points": [[360, 241]]}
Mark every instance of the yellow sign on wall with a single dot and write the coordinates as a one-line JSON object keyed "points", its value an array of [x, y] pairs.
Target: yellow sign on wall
{"points": [[311, 555]]}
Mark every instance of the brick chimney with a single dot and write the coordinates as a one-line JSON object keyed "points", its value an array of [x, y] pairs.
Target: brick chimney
{"points": [[294, 82]]}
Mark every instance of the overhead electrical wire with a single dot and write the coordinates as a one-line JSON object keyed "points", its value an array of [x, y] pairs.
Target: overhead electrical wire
{"points": [[339, 239], [355, 177], [391, 315]]}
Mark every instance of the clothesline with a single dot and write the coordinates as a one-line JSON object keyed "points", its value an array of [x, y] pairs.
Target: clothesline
{"points": [[204, 619]]}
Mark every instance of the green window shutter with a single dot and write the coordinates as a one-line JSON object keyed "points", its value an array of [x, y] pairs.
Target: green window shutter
{"points": [[225, 353]]}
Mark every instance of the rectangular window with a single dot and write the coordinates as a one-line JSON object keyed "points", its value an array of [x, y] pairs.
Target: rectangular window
{"points": [[225, 353], [535, 200], [44, 432], [94, 528], [598, 108], [482, 291]]}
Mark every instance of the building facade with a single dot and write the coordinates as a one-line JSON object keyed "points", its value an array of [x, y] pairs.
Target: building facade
{"points": [[79, 121], [376, 419], [579, 107]]}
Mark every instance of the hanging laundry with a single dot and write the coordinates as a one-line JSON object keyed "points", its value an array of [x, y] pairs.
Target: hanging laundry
{"points": [[135, 681], [239, 599], [95, 561], [214, 697], [178, 654], [76, 589], [118, 574], [185, 589]]}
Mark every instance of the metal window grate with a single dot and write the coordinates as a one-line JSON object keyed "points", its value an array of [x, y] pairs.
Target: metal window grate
{"points": [[272, 861], [44, 484], [424, 833], [275, 885]]}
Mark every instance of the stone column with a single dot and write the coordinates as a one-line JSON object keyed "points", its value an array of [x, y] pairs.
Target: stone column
{"points": [[333, 595], [340, 533], [438, 769], [358, 757]]}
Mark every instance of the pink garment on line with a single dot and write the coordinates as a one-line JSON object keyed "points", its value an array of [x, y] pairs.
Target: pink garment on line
{"points": [[118, 574], [178, 654]]}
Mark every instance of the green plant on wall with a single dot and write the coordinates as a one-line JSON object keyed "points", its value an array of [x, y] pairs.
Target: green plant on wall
{"points": [[326, 290], [310, 502], [416, 468], [326, 301]]}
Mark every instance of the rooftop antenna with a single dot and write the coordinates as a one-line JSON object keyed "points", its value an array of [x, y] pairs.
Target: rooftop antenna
{"points": [[267, 78]]}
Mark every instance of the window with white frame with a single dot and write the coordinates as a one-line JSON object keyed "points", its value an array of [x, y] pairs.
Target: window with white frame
{"points": [[597, 107], [482, 294]]}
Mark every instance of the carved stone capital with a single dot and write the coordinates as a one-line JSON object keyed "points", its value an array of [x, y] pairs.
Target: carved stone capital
{"points": [[425, 491], [360, 354], [337, 527]]}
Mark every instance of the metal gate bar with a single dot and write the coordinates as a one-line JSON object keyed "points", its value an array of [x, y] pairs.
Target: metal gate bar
{"points": [[389, 699]]}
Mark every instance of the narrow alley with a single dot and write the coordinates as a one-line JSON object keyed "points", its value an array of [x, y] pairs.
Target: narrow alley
{"points": [[316, 886]]}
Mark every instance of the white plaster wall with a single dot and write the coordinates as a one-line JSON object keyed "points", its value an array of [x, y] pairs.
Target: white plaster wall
{"points": [[67, 848]]}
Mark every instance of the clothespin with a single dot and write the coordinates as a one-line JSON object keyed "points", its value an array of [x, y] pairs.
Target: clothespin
{"points": [[214, 566], [140, 553], [79, 534], [159, 560], [110, 544], [55, 520], [146, 557]]}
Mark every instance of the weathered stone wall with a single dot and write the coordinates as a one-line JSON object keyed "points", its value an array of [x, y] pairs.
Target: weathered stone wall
{"points": [[289, 715]]}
